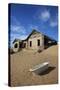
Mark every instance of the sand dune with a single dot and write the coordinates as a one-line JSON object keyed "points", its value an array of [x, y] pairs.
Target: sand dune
{"points": [[22, 61]]}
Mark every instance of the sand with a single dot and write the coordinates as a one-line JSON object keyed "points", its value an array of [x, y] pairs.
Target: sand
{"points": [[22, 61]]}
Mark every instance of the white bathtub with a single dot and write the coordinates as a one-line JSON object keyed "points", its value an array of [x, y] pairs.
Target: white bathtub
{"points": [[38, 69]]}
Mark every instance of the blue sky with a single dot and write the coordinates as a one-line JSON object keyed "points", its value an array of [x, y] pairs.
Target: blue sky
{"points": [[25, 18]]}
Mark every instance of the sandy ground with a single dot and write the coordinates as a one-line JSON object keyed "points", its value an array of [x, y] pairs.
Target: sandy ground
{"points": [[22, 61]]}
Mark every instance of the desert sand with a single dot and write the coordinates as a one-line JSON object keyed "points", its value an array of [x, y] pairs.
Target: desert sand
{"points": [[23, 60]]}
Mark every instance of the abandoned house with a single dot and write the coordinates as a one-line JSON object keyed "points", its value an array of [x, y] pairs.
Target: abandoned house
{"points": [[35, 41]]}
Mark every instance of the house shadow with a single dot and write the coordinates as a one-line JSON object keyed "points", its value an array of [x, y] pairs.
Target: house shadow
{"points": [[46, 47], [50, 68]]}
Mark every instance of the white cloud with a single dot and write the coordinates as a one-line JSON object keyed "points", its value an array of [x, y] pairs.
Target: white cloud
{"points": [[22, 37], [14, 21], [18, 29], [33, 26], [14, 36], [42, 14], [45, 15], [53, 23], [16, 26]]}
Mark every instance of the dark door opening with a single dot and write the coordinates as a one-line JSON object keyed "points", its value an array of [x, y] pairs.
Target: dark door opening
{"points": [[16, 45], [38, 42], [30, 43], [24, 45]]}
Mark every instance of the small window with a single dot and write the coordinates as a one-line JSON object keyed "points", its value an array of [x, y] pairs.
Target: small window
{"points": [[16, 45], [38, 42], [30, 43]]}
